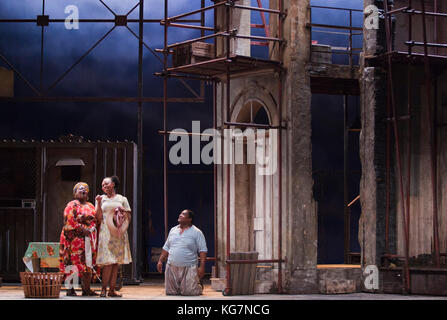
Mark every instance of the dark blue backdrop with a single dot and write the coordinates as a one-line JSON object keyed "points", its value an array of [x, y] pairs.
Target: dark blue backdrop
{"points": [[111, 70]]}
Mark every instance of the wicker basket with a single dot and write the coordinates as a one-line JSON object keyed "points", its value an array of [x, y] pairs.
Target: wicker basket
{"points": [[41, 285]]}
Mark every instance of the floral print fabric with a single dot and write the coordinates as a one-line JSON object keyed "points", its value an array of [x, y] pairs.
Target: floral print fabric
{"points": [[77, 218]]}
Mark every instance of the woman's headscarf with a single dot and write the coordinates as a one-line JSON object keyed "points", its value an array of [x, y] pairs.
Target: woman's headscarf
{"points": [[80, 184]]}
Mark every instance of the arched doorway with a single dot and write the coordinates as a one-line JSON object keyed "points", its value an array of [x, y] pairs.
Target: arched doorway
{"points": [[253, 193]]}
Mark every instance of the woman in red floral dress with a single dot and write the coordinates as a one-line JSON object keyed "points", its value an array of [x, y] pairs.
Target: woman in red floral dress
{"points": [[78, 239]]}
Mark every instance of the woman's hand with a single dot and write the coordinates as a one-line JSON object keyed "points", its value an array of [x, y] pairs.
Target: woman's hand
{"points": [[98, 199], [126, 214]]}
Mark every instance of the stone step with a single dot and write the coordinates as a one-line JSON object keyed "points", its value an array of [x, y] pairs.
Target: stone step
{"points": [[332, 286], [338, 280], [261, 286]]}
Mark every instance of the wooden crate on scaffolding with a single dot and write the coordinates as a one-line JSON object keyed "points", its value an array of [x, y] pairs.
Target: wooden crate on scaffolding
{"points": [[41, 285], [192, 53]]}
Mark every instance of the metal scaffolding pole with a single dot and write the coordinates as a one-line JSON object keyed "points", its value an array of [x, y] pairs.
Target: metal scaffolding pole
{"points": [[433, 156], [280, 98], [228, 288], [165, 121], [42, 48], [391, 101], [347, 218], [140, 136]]}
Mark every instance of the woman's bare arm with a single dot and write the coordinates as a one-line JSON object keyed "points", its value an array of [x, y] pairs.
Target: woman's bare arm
{"points": [[98, 209]]}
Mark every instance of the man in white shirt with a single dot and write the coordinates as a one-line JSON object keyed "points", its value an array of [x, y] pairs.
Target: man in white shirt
{"points": [[183, 244]]}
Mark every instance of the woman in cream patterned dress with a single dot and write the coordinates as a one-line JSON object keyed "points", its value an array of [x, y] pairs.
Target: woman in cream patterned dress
{"points": [[113, 212]]}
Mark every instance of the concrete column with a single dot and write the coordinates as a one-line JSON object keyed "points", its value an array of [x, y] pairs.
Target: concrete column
{"points": [[300, 219], [368, 194], [373, 149], [239, 21]]}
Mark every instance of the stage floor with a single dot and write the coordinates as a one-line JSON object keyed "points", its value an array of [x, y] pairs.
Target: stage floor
{"points": [[154, 290]]}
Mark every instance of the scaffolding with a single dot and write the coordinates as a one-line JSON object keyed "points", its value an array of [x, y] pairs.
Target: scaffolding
{"points": [[349, 31], [393, 121], [42, 94], [225, 66]]}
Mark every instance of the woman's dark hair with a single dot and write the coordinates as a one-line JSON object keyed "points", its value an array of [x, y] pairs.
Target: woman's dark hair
{"points": [[116, 181]]}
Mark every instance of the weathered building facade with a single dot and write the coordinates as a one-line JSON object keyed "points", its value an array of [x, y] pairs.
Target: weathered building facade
{"points": [[251, 206], [409, 158], [403, 92]]}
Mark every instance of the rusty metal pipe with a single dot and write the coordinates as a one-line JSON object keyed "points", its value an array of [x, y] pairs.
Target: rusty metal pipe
{"points": [[92, 20], [280, 50], [335, 27], [189, 26], [257, 9], [202, 18], [409, 133], [246, 261], [435, 25], [264, 21], [414, 54], [229, 34], [397, 142], [228, 105], [216, 220], [336, 8], [433, 14], [216, 239], [410, 27], [42, 37], [199, 63], [195, 40], [165, 124], [433, 156], [185, 76], [402, 9], [346, 210], [388, 180], [194, 12], [140, 166], [428, 44], [350, 37]]}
